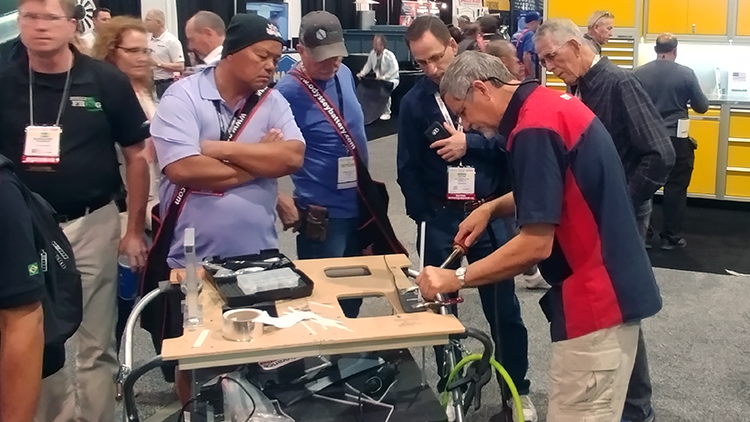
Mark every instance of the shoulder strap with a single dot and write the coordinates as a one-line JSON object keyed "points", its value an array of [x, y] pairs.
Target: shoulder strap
{"points": [[520, 37], [329, 110]]}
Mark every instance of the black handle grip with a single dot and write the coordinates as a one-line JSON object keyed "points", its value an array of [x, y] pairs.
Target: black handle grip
{"points": [[128, 394]]}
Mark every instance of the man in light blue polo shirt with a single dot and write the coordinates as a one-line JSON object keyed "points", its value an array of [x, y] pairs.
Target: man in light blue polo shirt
{"points": [[232, 185], [324, 181]]}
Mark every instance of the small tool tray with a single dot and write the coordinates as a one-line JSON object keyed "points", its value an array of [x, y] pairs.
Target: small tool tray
{"points": [[269, 259]]}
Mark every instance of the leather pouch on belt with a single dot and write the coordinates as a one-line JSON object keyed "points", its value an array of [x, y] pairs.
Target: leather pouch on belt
{"points": [[316, 223]]}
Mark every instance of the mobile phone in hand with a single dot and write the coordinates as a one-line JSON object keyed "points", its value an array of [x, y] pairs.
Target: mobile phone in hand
{"points": [[436, 132]]}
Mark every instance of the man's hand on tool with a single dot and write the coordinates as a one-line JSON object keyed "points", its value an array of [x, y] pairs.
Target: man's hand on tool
{"points": [[473, 226], [453, 148], [433, 280], [288, 212]]}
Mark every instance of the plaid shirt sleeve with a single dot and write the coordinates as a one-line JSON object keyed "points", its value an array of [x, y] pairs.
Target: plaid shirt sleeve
{"points": [[648, 138]]}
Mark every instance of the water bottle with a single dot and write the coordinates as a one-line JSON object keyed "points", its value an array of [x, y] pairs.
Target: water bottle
{"points": [[128, 281]]}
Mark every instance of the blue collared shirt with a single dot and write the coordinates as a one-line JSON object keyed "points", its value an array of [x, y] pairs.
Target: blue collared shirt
{"points": [[422, 173], [241, 221], [316, 182]]}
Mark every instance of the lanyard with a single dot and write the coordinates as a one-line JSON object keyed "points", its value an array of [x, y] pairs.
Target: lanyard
{"points": [[335, 81], [66, 92], [446, 114]]}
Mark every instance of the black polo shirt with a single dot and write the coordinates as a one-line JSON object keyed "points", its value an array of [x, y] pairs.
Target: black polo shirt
{"points": [[101, 110], [22, 280]]}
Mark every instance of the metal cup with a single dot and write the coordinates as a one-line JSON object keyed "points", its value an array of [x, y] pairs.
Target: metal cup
{"points": [[240, 325]]}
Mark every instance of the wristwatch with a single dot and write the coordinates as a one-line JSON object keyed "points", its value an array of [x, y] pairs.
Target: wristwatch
{"points": [[461, 275]]}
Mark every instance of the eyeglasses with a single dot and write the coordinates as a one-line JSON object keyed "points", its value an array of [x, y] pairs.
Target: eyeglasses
{"points": [[136, 50], [604, 15], [434, 59], [47, 17], [550, 57], [493, 80]]}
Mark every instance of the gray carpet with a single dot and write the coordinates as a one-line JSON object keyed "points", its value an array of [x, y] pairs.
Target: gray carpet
{"points": [[698, 344]]}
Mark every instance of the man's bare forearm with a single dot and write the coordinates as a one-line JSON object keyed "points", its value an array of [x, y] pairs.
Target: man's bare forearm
{"points": [[138, 182], [21, 351], [173, 67], [513, 258], [503, 206], [264, 159], [205, 173]]}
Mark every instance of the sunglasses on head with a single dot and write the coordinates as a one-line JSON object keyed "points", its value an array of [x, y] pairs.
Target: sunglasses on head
{"points": [[603, 15]]}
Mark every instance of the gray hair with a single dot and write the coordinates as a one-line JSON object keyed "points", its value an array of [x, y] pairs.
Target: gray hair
{"points": [[206, 19], [471, 66], [561, 31]]}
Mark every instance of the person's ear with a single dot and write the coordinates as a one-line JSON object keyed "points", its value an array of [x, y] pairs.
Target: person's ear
{"points": [[453, 45], [576, 47], [481, 88]]}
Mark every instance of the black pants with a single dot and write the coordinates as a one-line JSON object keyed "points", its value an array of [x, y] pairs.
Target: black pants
{"points": [[675, 190], [161, 86], [499, 301]]}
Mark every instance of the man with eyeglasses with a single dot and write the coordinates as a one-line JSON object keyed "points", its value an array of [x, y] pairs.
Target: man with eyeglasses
{"points": [[62, 113], [600, 26], [618, 99], [444, 180], [572, 204], [167, 56]]}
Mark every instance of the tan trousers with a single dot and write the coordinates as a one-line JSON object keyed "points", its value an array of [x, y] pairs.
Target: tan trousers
{"points": [[589, 375], [95, 239]]}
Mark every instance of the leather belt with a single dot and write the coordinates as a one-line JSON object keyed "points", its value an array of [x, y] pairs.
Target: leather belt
{"points": [[466, 206], [74, 213]]}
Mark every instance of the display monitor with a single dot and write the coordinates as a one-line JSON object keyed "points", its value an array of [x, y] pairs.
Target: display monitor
{"points": [[278, 13]]}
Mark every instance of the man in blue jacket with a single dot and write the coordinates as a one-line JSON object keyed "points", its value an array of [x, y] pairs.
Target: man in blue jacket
{"points": [[443, 181]]}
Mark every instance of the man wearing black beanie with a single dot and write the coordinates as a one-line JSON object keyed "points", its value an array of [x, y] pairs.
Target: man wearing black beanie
{"points": [[222, 139]]}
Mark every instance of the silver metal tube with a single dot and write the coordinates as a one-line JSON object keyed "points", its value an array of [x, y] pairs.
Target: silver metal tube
{"points": [[127, 343]]}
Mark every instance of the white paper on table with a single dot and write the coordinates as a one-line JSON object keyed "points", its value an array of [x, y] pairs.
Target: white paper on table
{"points": [[735, 273], [293, 318]]}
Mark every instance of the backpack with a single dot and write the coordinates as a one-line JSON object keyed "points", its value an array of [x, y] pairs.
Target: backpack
{"points": [[63, 303]]}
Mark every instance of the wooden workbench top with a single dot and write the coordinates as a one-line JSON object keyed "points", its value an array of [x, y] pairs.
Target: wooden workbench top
{"points": [[400, 330]]}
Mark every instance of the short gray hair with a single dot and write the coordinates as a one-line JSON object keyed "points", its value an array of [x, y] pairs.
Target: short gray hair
{"points": [[206, 19], [561, 31], [157, 15], [471, 66]]}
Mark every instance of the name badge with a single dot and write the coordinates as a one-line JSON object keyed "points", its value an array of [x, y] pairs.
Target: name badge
{"points": [[42, 145], [347, 175], [461, 183]]}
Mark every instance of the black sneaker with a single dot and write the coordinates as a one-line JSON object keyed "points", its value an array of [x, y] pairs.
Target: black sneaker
{"points": [[669, 243]]}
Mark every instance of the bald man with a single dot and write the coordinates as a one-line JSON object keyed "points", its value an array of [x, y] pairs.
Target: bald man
{"points": [[205, 33], [506, 52], [167, 56], [672, 87], [600, 26]]}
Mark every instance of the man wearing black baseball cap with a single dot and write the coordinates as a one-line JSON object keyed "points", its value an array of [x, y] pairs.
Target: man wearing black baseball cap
{"points": [[325, 190], [231, 186]]}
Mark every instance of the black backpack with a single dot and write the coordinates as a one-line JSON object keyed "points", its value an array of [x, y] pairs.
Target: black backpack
{"points": [[63, 303]]}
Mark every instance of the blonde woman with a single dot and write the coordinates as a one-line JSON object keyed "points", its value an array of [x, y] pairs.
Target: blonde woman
{"points": [[124, 43]]}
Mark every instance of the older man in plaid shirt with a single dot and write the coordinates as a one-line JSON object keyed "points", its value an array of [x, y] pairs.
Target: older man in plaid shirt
{"points": [[618, 99]]}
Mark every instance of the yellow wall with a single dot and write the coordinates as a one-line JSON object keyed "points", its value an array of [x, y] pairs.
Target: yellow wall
{"points": [[580, 10]]}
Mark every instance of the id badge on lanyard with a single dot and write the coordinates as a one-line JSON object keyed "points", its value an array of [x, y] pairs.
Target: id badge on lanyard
{"points": [[461, 179], [42, 142], [347, 173]]}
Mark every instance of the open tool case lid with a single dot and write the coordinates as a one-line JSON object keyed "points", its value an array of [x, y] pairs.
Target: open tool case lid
{"points": [[270, 259]]}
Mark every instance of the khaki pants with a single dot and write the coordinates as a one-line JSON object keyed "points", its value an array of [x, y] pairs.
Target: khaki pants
{"points": [[95, 239], [589, 375]]}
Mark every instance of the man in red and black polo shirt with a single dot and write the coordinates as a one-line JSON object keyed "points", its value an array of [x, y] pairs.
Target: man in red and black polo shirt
{"points": [[571, 202]]}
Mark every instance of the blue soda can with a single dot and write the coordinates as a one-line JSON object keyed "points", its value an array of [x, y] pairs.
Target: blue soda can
{"points": [[128, 283]]}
